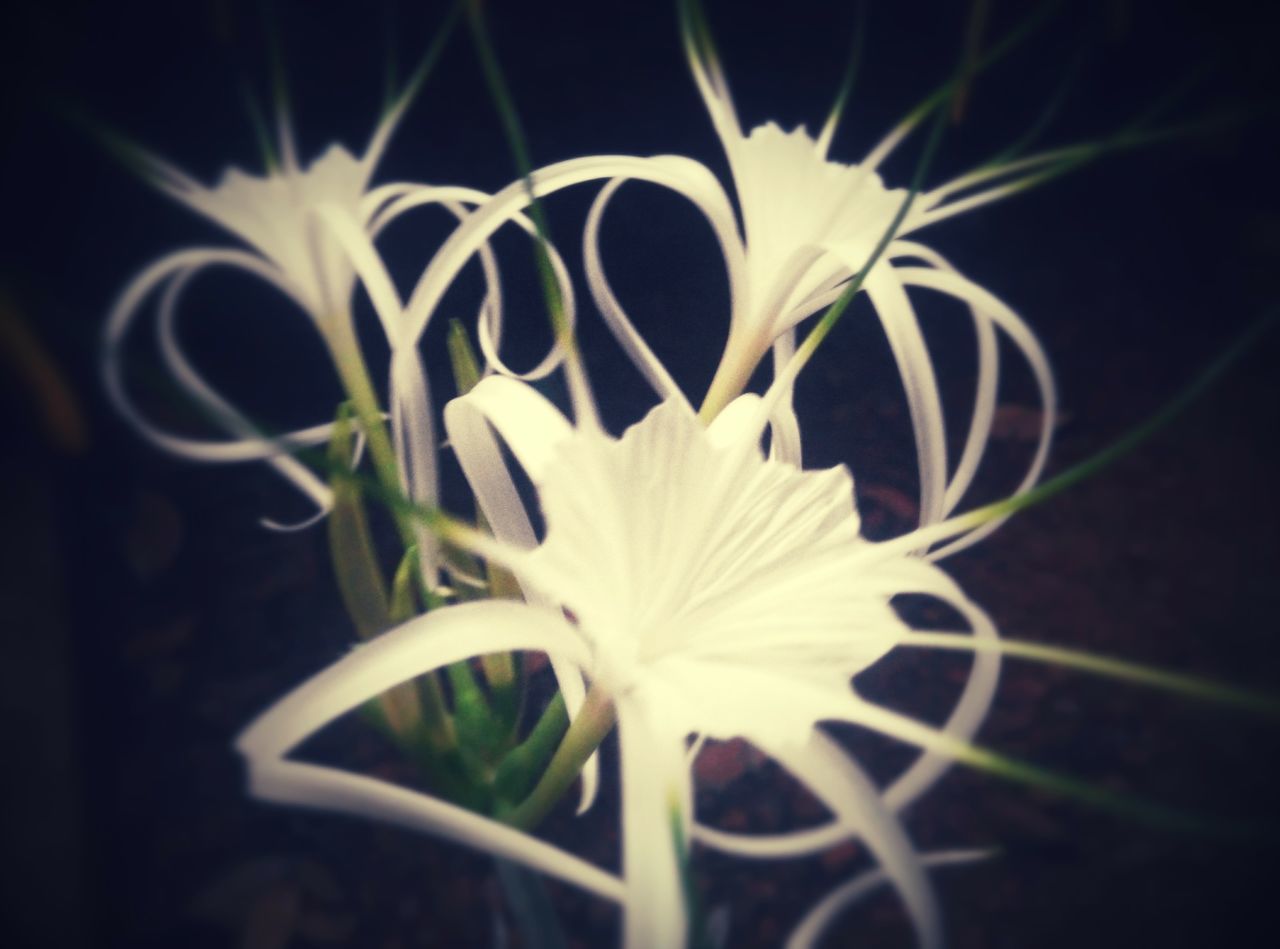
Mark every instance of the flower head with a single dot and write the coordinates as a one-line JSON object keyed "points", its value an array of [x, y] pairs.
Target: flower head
{"points": [[793, 198], [687, 557], [277, 213], [704, 589]]}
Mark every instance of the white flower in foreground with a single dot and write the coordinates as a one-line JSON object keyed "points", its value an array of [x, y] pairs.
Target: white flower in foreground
{"points": [[712, 592]]}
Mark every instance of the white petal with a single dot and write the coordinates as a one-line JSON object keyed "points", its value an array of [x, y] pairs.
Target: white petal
{"points": [[532, 428], [274, 213], [181, 266], [413, 431], [680, 174], [654, 790], [709, 79], [418, 646], [923, 401], [792, 197], [988, 376], [424, 643], [225, 413], [785, 445], [819, 919], [825, 768], [975, 699], [933, 210], [1022, 337], [490, 327], [367, 263], [904, 576], [615, 316], [315, 786], [405, 197]]}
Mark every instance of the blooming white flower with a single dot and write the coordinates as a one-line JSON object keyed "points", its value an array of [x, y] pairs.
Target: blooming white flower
{"points": [[310, 232], [278, 215], [808, 225], [701, 587]]}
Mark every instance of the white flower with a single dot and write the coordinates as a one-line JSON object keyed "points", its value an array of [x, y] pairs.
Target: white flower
{"points": [[809, 224], [310, 232], [712, 591]]}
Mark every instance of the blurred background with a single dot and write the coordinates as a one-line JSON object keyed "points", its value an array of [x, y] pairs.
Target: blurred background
{"points": [[147, 616]]}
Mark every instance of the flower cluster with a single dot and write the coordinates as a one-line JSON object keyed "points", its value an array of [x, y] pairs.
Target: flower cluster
{"points": [[686, 583]]}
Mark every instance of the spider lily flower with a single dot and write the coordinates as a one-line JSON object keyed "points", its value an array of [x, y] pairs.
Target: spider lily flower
{"points": [[703, 589], [309, 232], [809, 224], [277, 214]]}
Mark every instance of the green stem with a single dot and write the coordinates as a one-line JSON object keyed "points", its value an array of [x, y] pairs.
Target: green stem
{"points": [[514, 776], [345, 348], [440, 732], [594, 720]]}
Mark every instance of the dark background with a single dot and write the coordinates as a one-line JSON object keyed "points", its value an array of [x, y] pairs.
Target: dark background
{"points": [[148, 617]]}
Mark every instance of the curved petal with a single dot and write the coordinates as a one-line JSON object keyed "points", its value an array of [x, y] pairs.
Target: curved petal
{"points": [[615, 317], [975, 699], [389, 202], [489, 331], [424, 643], [186, 375], [680, 174], [413, 431], [983, 301], [826, 769], [532, 428], [654, 795], [819, 919], [708, 76], [903, 333], [785, 445], [412, 419], [418, 646], [908, 576], [181, 266], [988, 375], [315, 786], [359, 249], [933, 208]]}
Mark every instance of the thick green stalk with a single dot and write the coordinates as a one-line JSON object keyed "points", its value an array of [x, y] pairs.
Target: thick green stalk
{"points": [[515, 775], [593, 722]]}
